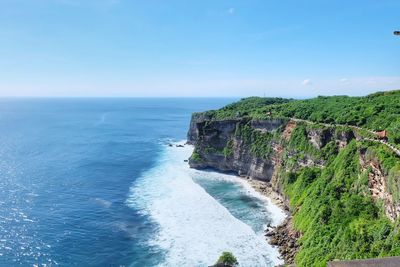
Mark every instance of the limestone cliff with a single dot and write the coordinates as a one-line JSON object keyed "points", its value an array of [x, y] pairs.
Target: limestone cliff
{"points": [[218, 145], [254, 148], [289, 155]]}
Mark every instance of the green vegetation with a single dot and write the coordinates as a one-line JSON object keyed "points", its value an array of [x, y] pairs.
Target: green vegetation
{"points": [[390, 166], [227, 258], [211, 150], [245, 107], [196, 157], [228, 150], [259, 141], [333, 209], [325, 172], [299, 141], [377, 111]]}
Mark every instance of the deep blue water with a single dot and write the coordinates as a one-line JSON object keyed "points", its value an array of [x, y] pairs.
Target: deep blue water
{"points": [[67, 168]]}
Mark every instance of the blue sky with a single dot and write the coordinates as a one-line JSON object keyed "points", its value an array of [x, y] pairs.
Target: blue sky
{"points": [[198, 48]]}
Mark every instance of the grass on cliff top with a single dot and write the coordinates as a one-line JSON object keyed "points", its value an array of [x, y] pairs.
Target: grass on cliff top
{"points": [[378, 111]]}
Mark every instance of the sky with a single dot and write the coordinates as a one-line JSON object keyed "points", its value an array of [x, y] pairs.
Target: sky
{"points": [[207, 48]]}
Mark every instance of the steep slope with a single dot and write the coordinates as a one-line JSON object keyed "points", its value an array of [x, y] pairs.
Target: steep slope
{"points": [[342, 186]]}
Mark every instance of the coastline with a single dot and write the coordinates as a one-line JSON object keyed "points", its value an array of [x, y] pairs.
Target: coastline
{"points": [[266, 190], [281, 235], [284, 236], [185, 211]]}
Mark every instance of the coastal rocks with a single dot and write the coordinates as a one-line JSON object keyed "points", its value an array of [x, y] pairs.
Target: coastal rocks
{"points": [[178, 145], [266, 189], [285, 237]]}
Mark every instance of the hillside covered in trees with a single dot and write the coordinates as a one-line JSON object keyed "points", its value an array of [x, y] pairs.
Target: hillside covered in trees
{"points": [[340, 182], [378, 111]]}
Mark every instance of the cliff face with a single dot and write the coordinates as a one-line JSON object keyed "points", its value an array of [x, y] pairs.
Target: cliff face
{"points": [[234, 146], [334, 181], [218, 145]]}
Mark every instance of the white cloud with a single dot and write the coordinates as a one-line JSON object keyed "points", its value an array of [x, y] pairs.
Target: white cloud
{"points": [[231, 10], [306, 82], [344, 80]]}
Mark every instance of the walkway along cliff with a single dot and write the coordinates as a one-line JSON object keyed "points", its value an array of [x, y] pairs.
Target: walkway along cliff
{"points": [[341, 187]]}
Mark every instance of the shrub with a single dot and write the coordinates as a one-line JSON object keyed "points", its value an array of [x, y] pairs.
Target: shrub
{"points": [[196, 156], [227, 258]]}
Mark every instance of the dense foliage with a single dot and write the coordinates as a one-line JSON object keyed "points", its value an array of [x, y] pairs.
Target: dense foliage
{"points": [[227, 258], [246, 106], [377, 111], [258, 141], [333, 209]]}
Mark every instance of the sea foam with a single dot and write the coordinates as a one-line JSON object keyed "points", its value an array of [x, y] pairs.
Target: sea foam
{"points": [[193, 227]]}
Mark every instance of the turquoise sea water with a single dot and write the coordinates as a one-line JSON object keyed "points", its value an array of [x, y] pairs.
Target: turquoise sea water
{"points": [[93, 182]]}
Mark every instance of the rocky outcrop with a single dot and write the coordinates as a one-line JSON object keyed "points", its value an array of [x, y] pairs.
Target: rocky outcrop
{"points": [[319, 137], [267, 125], [378, 185], [344, 137], [196, 123]]}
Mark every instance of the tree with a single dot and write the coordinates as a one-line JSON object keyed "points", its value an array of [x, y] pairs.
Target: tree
{"points": [[227, 258]]}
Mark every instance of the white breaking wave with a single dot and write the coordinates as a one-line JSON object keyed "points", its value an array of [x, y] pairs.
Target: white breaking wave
{"points": [[278, 215], [194, 228]]}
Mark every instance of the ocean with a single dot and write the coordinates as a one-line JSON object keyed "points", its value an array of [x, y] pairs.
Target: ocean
{"points": [[96, 182]]}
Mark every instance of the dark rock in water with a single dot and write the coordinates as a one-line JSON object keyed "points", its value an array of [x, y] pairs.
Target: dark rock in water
{"points": [[179, 146], [274, 241], [170, 145], [185, 160], [269, 234]]}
